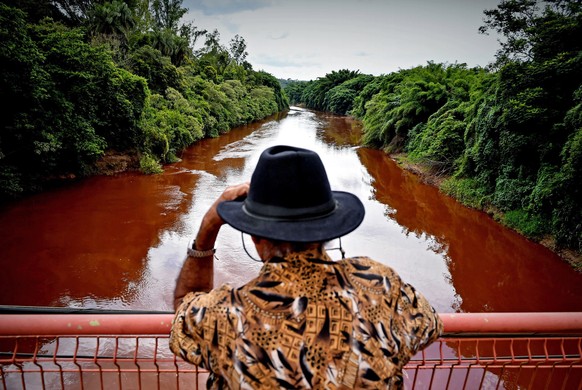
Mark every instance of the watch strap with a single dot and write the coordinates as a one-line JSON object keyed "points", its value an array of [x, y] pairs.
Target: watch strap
{"points": [[193, 252]]}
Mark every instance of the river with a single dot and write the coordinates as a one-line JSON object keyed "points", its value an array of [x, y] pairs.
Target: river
{"points": [[117, 242]]}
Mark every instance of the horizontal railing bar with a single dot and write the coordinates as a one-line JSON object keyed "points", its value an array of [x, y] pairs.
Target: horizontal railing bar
{"points": [[16, 309], [85, 324], [125, 370], [512, 323], [159, 324], [509, 336], [537, 358], [86, 358], [44, 356], [185, 369], [506, 366]]}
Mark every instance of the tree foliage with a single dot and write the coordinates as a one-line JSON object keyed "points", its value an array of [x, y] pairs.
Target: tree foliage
{"points": [[81, 77], [314, 93], [525, 157], [238, 49], [167, 14]]}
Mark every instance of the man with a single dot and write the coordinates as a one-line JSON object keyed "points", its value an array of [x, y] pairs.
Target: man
{"points": [[305, 321]]}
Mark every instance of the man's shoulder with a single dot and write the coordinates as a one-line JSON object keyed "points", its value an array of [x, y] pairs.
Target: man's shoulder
{"points": [[212, 298], [366, 264], [371, 275]]}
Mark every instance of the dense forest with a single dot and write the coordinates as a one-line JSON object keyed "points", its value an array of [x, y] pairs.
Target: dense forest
{"points": [[508, 138], [82, 78]]}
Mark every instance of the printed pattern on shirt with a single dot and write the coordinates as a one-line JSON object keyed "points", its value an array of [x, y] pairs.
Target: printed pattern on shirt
{"points": [[307, 322]]}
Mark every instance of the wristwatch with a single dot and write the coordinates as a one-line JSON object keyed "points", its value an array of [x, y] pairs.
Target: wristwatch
{"points": [[193, 252]]}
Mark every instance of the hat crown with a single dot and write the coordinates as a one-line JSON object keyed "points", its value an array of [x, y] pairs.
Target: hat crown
{"points": [[290, 199], [289, 183]]}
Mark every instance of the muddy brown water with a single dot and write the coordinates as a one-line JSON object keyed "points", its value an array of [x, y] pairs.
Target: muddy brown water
{"points": [[118, 242]]}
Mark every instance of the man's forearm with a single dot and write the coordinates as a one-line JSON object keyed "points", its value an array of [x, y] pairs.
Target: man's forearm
{"points": [[197, 273]]}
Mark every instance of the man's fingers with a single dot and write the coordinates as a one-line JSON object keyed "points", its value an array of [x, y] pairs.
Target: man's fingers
{"points": [[236, 191]]}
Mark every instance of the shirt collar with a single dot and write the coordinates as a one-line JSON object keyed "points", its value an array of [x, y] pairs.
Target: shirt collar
{"points": [[318, 257]]}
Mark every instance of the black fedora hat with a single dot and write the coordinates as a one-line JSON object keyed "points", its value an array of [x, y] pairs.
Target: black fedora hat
{"points": [[290, 199]]}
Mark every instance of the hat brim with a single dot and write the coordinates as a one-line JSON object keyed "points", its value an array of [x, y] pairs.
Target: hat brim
{"points": [[346, 217]]}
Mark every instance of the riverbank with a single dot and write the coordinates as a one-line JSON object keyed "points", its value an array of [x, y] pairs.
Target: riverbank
{"points": [[113, 162], [428, 176]]}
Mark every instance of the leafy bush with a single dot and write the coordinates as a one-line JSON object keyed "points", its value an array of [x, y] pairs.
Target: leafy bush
{"points": [[467, 190], [439, 143], [294, 91], [170, 125], [511, 193], [158, 70], [533, 226], [339, 99], [436, 92], [315, 93], [567, 205], [149, 165]]}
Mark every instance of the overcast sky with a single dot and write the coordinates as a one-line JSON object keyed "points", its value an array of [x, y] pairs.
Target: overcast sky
{"points": [[306, 39]]}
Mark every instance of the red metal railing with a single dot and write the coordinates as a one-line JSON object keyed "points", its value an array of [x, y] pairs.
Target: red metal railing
{"points": [[130, 351]]}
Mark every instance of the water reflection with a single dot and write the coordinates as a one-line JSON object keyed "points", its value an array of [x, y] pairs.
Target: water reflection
{"points": [[491, 268], [86, 244], [118, 242]]}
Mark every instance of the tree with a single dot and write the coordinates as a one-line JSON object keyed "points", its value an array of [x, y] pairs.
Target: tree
{"points": [[36, 10], [76, 11], [191, 33], [294, 91], [212, 43], [24, 85], [156, 68], [112, 22], [262, 78], [111, 18], [238, 48], [524, 137], [168, 36], [408, 101], [530, 30], [340, 99], [170, 45], [314, 93], [167, 14]]}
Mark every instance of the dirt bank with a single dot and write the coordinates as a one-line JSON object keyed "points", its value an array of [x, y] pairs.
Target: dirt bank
{"points": [[114, 162]]}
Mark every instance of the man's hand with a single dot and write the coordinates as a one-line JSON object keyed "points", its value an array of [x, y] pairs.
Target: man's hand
{"points": [[212, 222], [197, 274]]}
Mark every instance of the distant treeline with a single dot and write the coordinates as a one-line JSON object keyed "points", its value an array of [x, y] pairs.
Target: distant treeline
{"points": [[82, 77], [509, 138]]}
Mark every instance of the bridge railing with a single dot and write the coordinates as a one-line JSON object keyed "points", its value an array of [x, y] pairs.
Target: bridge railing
{"points": [[130, 351]]}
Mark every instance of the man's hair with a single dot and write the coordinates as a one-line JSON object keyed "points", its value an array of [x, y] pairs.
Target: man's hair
{"points": [[295, 246]]}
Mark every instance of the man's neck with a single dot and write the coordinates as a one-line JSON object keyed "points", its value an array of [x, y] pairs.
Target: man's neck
{"points": [[268, 249]]}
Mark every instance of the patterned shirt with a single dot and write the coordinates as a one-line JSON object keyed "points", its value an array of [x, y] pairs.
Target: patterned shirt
{"points": [[307, 322]]}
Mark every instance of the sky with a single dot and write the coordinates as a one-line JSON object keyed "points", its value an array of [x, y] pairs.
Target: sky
{"points": [[307, 39]]}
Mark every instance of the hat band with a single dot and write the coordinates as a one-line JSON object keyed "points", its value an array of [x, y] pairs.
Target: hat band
{"points": [[278, 213]]}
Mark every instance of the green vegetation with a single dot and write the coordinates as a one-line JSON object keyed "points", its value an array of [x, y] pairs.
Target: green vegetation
{"points": [[82, 77], [509, 138], [334, 93]]}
